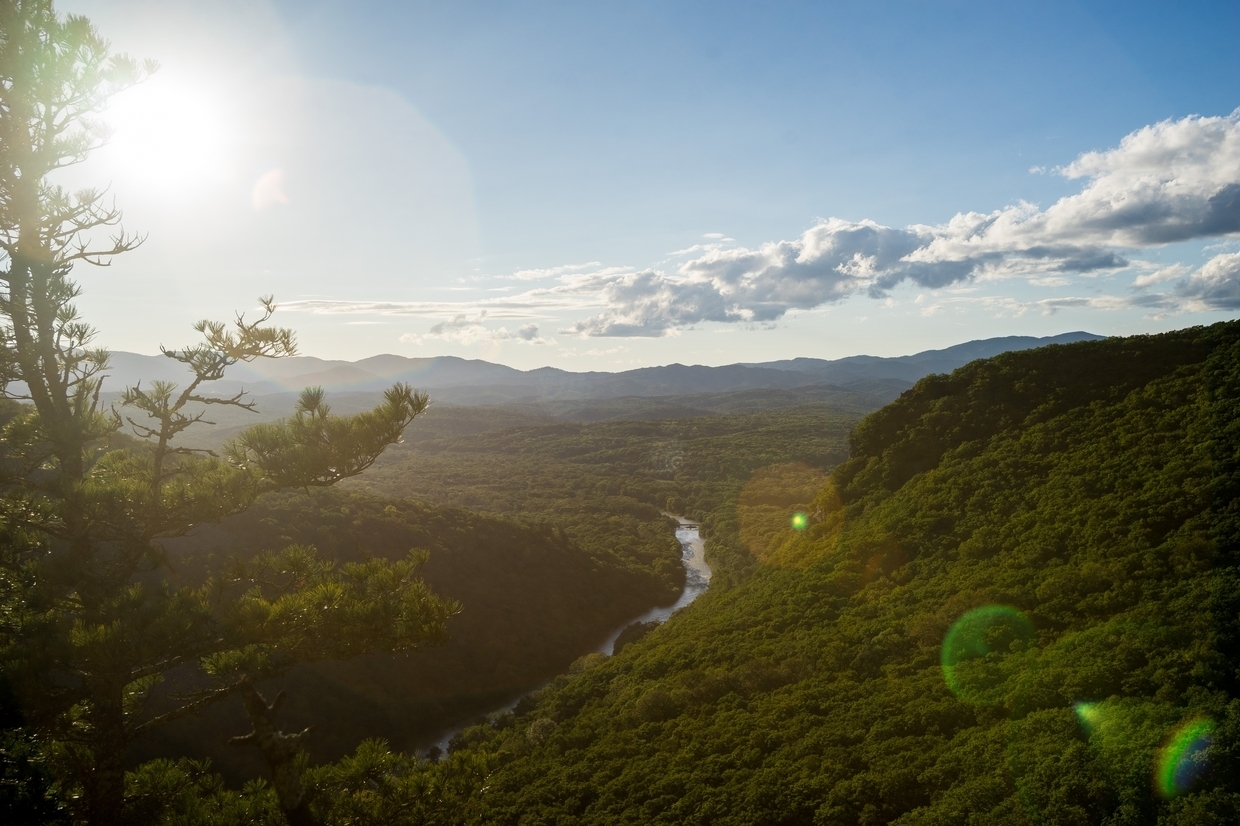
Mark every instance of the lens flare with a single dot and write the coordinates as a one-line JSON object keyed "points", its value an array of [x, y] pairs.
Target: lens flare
{"points": [[269, 190], [765, 509], [1089, 715], [975, 642], [1182, 761]]}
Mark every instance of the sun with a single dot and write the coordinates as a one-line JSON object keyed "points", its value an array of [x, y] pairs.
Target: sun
{"points": [[170, 134]]}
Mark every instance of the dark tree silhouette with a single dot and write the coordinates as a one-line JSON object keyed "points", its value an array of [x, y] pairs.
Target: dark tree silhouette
{"points": [[89, 624]]}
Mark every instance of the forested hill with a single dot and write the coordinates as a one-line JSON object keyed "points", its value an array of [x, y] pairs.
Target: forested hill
{"points": [[532, 601], [1018, 602]]}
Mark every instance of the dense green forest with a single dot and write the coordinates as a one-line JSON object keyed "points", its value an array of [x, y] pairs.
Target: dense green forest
{"points": [[590, 550], [1015, 602], [1087, 492], [604, 483], [531, 602], [570, 544]]}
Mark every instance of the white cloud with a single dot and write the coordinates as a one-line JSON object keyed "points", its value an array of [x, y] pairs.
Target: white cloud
{"points": [[1051, 281], [1161, 275], [1170, 182], [593, 267], [569, 296], [594, 352], [1213, 286], [463, 329], [1216, 286], [696, 249]]}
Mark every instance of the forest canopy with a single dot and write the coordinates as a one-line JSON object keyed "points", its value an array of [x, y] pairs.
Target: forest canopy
{"points": [[1018, 603]]}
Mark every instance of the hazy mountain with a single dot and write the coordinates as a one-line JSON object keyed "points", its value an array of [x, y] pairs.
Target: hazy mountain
{"points": [[456, 380], [911, 368]]}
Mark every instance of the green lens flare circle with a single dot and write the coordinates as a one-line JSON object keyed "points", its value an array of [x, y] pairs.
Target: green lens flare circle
{"points": [[975, 646], [1182, 760], [799, 521]]}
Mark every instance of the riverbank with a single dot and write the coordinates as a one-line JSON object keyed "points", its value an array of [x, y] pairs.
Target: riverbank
{"points": [[697, 580]]}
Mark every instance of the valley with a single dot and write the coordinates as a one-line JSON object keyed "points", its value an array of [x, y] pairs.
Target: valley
{"points": [[621, 414], [1085, 492], [551, 535], [1092, 504]]}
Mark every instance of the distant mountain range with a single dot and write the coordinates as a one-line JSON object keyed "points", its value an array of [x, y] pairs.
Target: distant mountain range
{"points": [[455, 380]]}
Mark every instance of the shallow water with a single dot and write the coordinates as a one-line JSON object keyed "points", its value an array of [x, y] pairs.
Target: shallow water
{"points": [[697, 580]]}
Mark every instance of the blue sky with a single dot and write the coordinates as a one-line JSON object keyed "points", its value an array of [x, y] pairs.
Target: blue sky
{"points": [[601, 186]]}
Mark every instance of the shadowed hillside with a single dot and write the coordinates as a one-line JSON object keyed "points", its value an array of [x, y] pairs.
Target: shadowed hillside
{"points": [[532, 602]]}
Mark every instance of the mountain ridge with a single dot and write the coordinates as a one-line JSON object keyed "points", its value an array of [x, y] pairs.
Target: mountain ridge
{"points": [[475, 381]]}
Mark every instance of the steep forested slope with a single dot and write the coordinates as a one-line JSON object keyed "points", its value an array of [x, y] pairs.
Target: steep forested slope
{"points": [[532, 602], [1083, 497]]}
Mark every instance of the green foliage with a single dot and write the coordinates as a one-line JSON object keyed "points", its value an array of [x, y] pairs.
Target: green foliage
{"points": [[532, 601], [187, 793], [374, 785], [1097, 503], [28, 791], [87, 624], [371, 785], [605, 483], [315, 448], [297, 607], [534, 595]]}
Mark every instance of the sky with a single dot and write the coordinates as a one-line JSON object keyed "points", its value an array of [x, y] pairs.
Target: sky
{"points": [[602, 186]]}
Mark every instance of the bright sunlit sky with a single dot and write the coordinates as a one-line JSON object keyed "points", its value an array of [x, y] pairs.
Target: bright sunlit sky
{"points": [[600, 186]]}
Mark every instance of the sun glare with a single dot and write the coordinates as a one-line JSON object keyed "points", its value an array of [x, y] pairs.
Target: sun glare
{"points": [[170, 134]]}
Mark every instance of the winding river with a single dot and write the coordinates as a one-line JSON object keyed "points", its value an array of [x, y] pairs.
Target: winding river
{"points": [[697, 580]]}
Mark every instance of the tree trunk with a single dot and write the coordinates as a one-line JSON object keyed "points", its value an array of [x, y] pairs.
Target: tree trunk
{"points": [[281, 751], [104, 784]]}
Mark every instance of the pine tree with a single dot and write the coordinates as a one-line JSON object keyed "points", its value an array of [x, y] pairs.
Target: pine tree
{"points": [[89, 622]]}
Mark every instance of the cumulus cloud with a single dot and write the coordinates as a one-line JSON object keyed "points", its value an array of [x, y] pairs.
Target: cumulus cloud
{"points": [[1216, 285], [1161, 275], [1172, 181], [463, 329]]}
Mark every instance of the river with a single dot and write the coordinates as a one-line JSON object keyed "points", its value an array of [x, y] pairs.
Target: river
{"points": [[697, 580]]}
